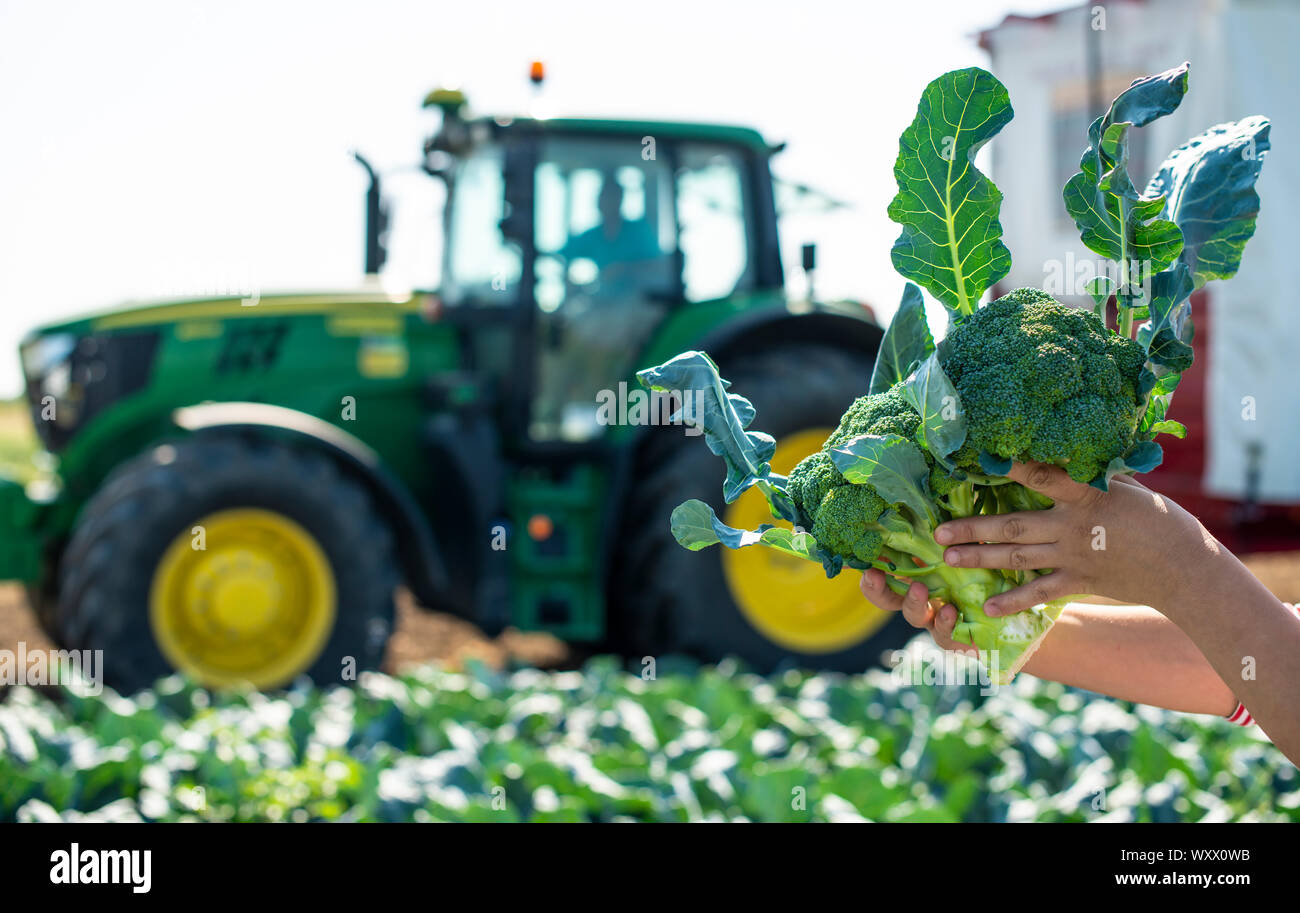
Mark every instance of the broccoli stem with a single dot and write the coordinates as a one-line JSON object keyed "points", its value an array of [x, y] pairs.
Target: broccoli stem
{"points": [[962, 501]]}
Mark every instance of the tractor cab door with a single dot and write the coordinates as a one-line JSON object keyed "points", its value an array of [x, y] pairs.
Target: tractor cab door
{"points": [[566, 251], [605, 274], [621, 237], [485, 260]]}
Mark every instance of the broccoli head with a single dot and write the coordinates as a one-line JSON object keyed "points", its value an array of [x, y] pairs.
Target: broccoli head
{"points": [[843, 517], [1043, 381]]}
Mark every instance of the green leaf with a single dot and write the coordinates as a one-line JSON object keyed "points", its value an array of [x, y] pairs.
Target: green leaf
{"points": [[1167, 338], [994, 466], [723, 417], [1113, 220], [1144, 456], [1168, 426], [933, 396], [1168, 342], [1100, 289], [1161, 391], [1209, 189], [951, 243], [906, 344], [892, 465], [695, 526]]}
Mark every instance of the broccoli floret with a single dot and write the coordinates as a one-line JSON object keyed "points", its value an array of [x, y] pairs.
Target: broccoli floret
{"points": [[845, 521], [879, 413], [1045, 382], [844, 517]]}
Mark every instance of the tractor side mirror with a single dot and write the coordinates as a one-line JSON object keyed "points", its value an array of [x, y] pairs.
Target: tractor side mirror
{"points": [[376, 218], [809, 265]]}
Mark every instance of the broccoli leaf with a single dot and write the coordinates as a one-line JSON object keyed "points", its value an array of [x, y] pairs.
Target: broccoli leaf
{"points": [[952, 240], [723, 417], [892, 465], [1168, 426], [1113, 220], [943, 423], [1209, 188], [1100, 289], [906, 344], [1168, 336], [994, 466], [695, 526], [1143, 456]]}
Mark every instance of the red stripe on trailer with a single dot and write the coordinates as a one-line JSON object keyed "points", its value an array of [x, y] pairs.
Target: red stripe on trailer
{"points": [[1181, 475]]}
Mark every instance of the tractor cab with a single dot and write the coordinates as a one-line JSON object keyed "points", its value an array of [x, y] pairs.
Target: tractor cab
{"points": [[570, 241]]}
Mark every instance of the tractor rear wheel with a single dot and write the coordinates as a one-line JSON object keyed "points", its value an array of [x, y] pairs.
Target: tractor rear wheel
{"points": [[768, 609], [232, 559]]}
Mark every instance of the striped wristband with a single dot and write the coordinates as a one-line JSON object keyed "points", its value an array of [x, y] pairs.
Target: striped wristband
{"points": [[1241, 716]]}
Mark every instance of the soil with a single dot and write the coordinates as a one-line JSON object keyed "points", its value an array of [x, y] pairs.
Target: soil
{"points": [[420, 637]]}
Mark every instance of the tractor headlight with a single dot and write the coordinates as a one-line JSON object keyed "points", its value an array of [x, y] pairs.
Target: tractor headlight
{"points": [[47, 368], [71, 378], [44, 355]]}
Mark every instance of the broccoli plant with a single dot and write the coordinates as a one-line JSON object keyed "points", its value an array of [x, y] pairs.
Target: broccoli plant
{"points": [[1022, 378]]}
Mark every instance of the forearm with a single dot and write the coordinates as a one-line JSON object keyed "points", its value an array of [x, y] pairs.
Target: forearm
{"points": [[1250, 638], [1133, 653]]}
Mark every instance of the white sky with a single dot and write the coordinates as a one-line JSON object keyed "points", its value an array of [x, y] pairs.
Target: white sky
{"points": [[155, 148]]}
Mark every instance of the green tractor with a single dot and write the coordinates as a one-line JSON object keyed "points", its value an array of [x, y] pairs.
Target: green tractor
{"points": [[242, 484]]}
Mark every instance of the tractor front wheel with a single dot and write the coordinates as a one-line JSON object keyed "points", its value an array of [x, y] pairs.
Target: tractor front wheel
{"points": [[232, 559]]}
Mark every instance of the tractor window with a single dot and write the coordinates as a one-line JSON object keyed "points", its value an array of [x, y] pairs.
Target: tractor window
{"points": [[604, 225], [605, 273], [481, 264], [711, 215]]}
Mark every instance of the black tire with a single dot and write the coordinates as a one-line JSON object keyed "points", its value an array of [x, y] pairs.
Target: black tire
{"points": [[671, 600], [122, 532]]}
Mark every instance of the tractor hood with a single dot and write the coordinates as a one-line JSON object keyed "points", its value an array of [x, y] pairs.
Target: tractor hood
{"points": [[76, 368], [157, 312]]}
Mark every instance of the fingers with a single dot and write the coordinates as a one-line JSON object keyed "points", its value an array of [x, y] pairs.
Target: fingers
{"points": [[1031, 527], [1011, 557], [878, 592], [915, 605], [944, 622], [918, 611], [1052, 481], [1037, 591]]}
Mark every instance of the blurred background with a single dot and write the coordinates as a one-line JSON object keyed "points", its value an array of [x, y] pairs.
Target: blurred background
{"points": [[187, 150], [167, 151]]}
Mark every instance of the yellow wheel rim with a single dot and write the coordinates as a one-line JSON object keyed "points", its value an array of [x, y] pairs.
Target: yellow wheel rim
{"points": [[245, 596], [789, 600]]}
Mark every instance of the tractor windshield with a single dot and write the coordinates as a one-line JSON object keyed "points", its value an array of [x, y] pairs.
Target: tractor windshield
{"points": [[481, 264], [616, 238]]}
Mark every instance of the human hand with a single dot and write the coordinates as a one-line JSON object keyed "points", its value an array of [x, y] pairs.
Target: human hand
{"points": [[917, 608], [1128, 543]]}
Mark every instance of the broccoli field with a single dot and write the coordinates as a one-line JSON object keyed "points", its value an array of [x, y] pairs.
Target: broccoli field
{"points": [[599, 744]]}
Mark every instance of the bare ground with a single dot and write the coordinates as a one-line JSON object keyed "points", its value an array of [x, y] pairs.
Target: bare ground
{"points": [[420, 637]]}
